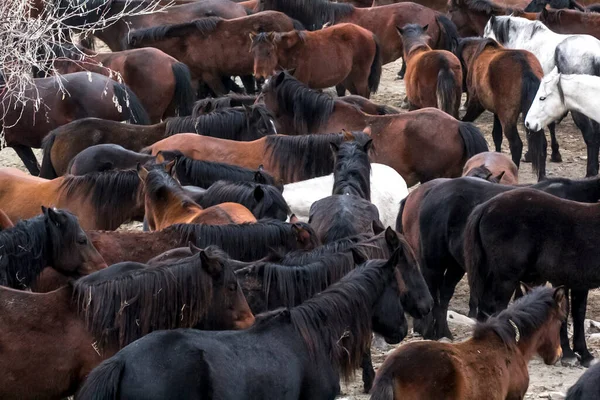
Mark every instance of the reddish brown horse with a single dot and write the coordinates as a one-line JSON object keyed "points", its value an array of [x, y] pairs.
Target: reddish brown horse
{"points": [[504, 81], [87, 95], [71, 330], [402, 141], [212, 47], [495, 165], [5, 222], [571, 22], [162, 84], [433, 77], [490, 365], [343, 54], [101, 201], [166, 203]]}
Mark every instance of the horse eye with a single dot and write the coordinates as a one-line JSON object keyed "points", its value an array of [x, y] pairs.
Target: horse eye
{"points": [[542, 98], [82, 241]]}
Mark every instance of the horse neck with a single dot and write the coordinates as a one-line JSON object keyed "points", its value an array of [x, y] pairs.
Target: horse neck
{"points": [[413, 48], [171, 213], [580, 94]]}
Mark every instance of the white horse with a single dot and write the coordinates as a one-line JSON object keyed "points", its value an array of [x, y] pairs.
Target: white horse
{"points": [[388, 188], [571, 54], [560, 93]]}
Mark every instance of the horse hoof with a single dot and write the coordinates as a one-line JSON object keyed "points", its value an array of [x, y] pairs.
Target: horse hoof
{"points": [[556, 157], [588, 361], [569, 361]]}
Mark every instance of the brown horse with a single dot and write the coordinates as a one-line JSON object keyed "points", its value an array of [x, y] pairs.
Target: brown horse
{"points": [[433, 77], [5, 222], [495, 165], [471, 16], [87, 95], [344, 54], [101, 201], [71, 330], [490, 365], [162, 83], [402, 141], [571, 22], [166, 203], [212, 47], [504, 81]]}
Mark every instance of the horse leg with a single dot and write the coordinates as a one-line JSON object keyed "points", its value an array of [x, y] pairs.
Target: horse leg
{"points": [[555, 157], [592, 141], [453, 275], [433, 279], [26, 155], [215, 83], [249, 83], [497, 134], [569, 357], [368, 372], [402, 70], [514, 141], [474, 110], [340, 89], [578, 307]]}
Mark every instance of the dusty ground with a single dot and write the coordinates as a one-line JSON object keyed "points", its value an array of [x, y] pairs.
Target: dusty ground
{"points": [[544, 378]]}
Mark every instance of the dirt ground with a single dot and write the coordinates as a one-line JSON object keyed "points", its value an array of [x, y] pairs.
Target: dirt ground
{"points": [[545, 380]]}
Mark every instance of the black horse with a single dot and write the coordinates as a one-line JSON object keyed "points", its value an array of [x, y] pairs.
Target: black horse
{"points": [[52, 239], [231, 100], [587, 386], [105, 157], [290, 353]]}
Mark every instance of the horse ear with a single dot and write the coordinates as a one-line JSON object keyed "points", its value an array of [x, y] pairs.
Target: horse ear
{"points": [[51, 214], [169, 167], [259, 177], [294, 219], [391, 238], [291, 71], [560, 294], [271, 36], [279, 79], [425, 27], [368, 145], [377, 227], [160, 157], [348, 136], [212, 267], [142, 172], [367, 130], [302, 235], [259, 194], [400, 30], [252, 36], [500, 175], [544, 12], [525, 288], [193, 248], [247, 109]]}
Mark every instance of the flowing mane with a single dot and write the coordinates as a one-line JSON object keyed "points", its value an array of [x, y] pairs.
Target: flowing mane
{"points": [[128, 300], [202, 26], [352, 170], [228, 101], [113, 194], [527, 313], [311, 13], [525, 28]]}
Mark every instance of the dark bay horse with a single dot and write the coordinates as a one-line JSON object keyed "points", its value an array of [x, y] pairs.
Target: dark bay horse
{"points": [[504, 81], [478, 368], [308, 363], [572, 22], [105, 157], [397, 138], [244, 242], [72, 329], [496, 165], [166, 203], [342, 54], [87, 95], [433, 219], [532, 244], [52, 239], [162, 83], [471, 16], [433, 78], [101, 201], [224, 44], [586, 387]]}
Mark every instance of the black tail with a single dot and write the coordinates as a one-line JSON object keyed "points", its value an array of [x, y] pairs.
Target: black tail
{"points": [[183, 98], [399, 227], [536, 141], [383, 388], [47, 169], [103, 382], [474, 255], [131, 106], [375, 74], [448, 34], [447, 98], [473, 139]]}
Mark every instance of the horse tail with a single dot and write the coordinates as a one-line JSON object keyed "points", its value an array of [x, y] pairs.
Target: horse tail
{"points": [[47, 169], [131, 105], [472, 138], [449, 39], [386, 110], [183, 98], [536, 142], [445, 90], [383, 389], [474, 254], [375, 74], [399, 227], [104, 381]]}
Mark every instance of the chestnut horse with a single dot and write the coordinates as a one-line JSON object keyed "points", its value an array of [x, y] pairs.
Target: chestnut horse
{"points": [[497, 165], [433, 78], [212, 47], [72, 329], [504, 81], [343, 54], [401, 141], [166, 203], [490, 365], [87, 95], [101, 201], [571, 22], [5, 222], [162, 83]]}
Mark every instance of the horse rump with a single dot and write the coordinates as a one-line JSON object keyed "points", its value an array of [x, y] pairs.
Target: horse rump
{"points": [[375, 74], [47, 169], [473, 140], [104, 381], [131, 106], [184, 96]]}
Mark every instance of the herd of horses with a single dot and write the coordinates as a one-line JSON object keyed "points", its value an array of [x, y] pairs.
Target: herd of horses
{"points": [[279, 231]]}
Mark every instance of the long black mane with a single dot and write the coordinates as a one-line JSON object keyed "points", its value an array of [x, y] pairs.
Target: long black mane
{"points": [[128, 300], [113, 194], [528, 313], [308, 108], [352, 171], [202, 26], [159, 183], [228, 101], [311, 13], [247, 242]]}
